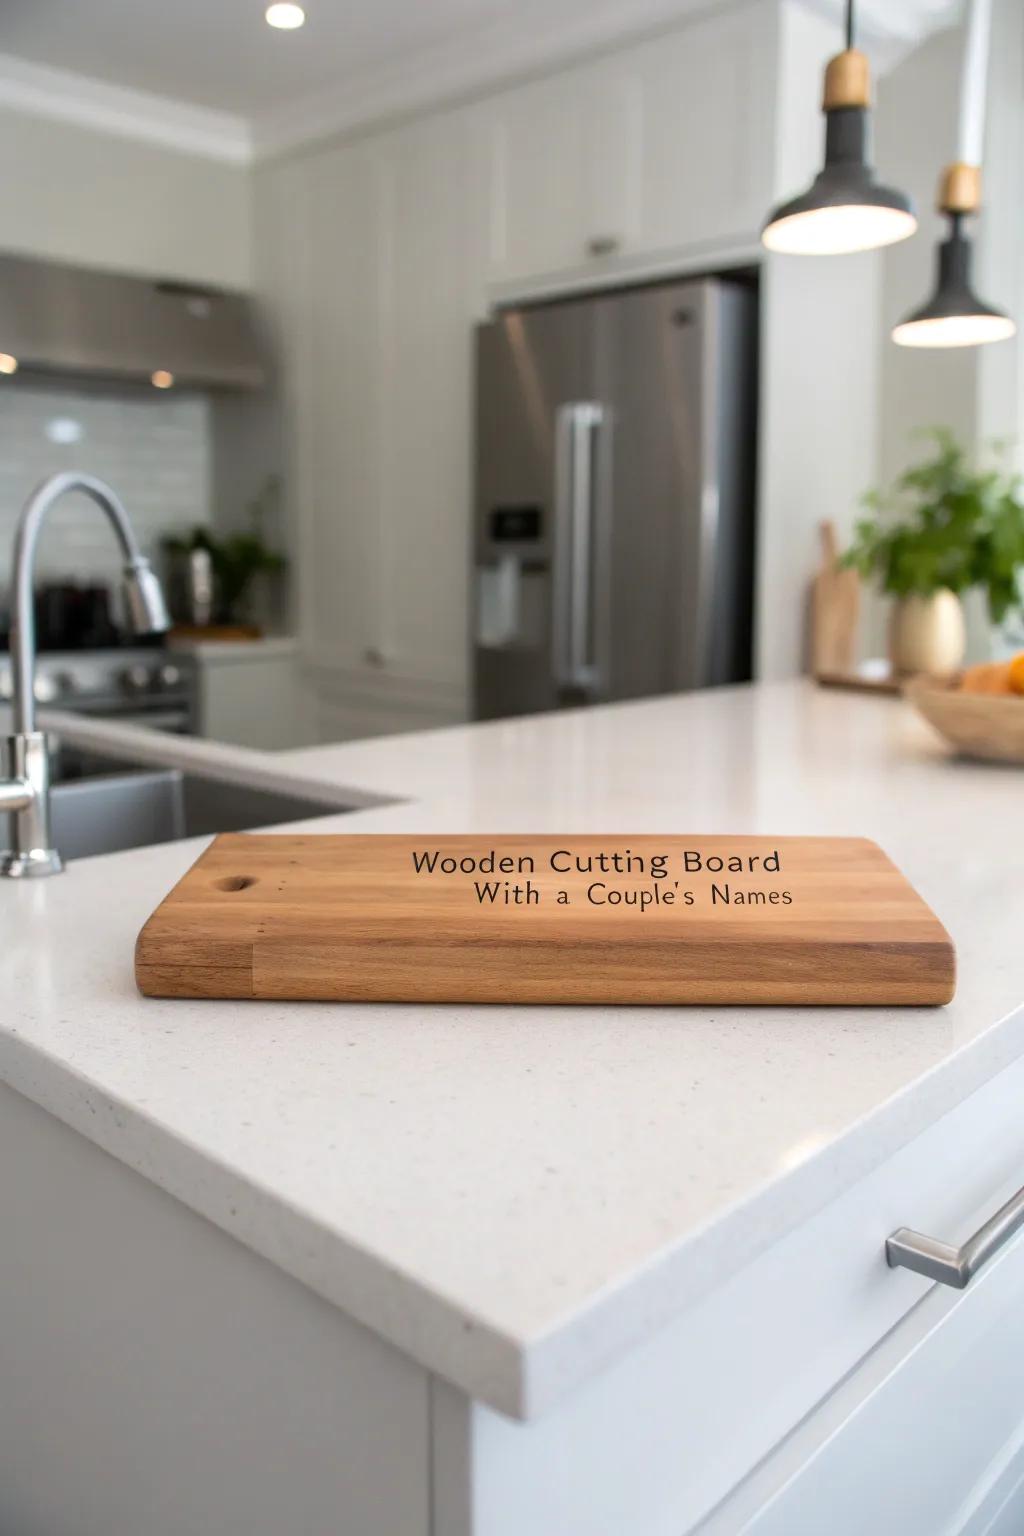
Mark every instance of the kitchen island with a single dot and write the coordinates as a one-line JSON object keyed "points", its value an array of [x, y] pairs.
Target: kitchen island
{"points": [[483, 1271]]}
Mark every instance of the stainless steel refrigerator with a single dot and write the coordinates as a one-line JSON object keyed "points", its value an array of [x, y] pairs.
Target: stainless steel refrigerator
{"points": [[614, 499]]}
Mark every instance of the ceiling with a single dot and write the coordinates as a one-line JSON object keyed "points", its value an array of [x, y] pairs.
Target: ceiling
{"points": [[220, 55]]}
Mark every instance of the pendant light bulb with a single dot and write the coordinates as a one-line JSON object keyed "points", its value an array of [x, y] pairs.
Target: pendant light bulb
{"points": [[845, 209], [838, 231]]}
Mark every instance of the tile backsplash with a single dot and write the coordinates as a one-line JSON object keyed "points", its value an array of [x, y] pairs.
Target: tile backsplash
{"points": [[153, 449]]}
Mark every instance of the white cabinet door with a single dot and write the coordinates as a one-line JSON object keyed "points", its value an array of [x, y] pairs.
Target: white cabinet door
{"points": [[341, 441], [430, 290], [611, 110], [160, 1379], [927, 1437], [253, 695], [664, 146], [565, 176], [537, 154], [393, 273], [707, 140], [813, 1348]]}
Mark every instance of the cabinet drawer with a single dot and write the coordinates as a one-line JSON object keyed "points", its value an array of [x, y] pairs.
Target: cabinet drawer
{"points": [[678, 1424], [925, 1436]]}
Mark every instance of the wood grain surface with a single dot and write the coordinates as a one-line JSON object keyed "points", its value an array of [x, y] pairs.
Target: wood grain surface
{"points": [[982, 725], [348, 918], [835, 611]]}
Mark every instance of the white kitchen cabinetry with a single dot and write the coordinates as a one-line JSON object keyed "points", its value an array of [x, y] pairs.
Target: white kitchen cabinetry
{"points": [[927, 1436], [340, 577], [538, 154], [566, 157], [816, 1390], [708, 93], [663, 146], [181, 1383], [251, 693], [158, 1378], [393, 228]]}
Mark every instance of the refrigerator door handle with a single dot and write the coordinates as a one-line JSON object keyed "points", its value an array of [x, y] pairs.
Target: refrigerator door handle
{"points": [[576, 509]]}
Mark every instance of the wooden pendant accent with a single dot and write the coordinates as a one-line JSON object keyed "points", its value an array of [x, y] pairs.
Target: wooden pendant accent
{"points": [[400, 918], [847, 81], [960, 188]]}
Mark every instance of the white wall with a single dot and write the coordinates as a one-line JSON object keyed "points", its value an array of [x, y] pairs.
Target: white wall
{"points": [[74, 194], [975, 392], [819, 433], [1000, 253], [819, 371], [915, 136], [843, 405]]}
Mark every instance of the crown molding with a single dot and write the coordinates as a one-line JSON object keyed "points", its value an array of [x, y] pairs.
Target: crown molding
{"points": [[533, 41], [65, 97]]}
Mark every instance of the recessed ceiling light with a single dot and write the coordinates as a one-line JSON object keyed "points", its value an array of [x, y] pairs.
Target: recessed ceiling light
{"points": [[161, 379], [8, 364], [285, 16]]}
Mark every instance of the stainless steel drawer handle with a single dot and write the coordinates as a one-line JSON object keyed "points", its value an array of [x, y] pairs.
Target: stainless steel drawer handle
{"points": [[955, 1266]]}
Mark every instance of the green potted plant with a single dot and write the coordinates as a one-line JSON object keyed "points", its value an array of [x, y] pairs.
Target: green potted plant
{"points": [[944, 528], [233, 562]]}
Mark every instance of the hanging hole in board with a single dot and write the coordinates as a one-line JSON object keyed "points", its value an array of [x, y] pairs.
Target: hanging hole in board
{"points": [[235, 882]]}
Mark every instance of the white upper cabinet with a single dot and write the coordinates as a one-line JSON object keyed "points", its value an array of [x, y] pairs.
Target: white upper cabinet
{"points": [[536, 159], [662, 146], [708, 152], [565, 171], [611, 106]]}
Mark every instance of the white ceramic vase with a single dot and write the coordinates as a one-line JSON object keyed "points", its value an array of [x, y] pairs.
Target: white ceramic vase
{"points": [[926, 634]]}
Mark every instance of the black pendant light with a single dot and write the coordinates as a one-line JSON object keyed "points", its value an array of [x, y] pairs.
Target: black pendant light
{"points": [[845, 208], [954, 316]]}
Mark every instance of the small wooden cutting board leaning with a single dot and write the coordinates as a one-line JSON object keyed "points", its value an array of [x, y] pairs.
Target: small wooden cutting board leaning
{"points": [[397, 918]]}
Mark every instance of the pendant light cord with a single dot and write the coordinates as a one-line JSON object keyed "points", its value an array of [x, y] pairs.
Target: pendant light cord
{"points": [[849, 24]]}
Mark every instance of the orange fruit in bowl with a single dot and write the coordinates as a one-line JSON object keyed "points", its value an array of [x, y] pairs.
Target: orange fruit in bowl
{"points": [[1015, 673], [986, 677]]}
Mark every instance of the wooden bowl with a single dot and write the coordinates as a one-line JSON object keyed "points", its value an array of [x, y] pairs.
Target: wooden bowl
{"points": [[976, 724]]}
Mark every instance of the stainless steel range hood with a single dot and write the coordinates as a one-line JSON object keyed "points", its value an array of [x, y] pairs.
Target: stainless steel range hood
{"points": [[75, 320]]}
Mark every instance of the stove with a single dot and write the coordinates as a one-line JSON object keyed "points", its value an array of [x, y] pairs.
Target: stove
{"points": [[156, 687], [87, 663]]}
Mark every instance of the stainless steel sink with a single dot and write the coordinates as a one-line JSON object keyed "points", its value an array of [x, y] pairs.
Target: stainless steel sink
{"points": [[102, 806], [117, 810]]}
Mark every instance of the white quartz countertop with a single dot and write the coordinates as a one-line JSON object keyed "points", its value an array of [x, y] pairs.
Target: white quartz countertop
{"points": [[516, 1197]]}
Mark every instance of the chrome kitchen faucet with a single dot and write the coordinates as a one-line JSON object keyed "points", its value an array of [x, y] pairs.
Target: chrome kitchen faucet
{"points": [[25, 787]]}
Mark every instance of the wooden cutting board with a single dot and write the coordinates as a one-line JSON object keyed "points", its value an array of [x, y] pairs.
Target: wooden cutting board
{"points": [[835, 611], [539, 920]]}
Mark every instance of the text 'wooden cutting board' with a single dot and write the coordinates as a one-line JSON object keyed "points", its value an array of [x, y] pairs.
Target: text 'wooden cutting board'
{"points": [[546, 919]]}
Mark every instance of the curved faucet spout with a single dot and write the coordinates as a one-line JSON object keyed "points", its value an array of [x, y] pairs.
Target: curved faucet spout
{"points": [[142, 590], [25, 791]]}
